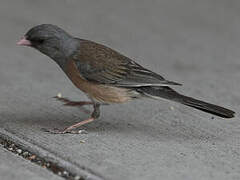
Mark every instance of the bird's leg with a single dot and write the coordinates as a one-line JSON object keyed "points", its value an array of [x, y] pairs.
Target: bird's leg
{"points": [[68, 102], [95, 114]]}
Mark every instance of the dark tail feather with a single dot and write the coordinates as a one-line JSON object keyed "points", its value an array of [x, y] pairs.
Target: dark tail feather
{"points": [[168, 93]]}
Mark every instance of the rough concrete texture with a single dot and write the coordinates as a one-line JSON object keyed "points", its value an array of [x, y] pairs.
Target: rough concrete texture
{"points": [[193, 42], [16, 168]]}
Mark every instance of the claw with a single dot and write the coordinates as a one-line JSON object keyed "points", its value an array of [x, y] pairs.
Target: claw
{"points": [[58, 131]]}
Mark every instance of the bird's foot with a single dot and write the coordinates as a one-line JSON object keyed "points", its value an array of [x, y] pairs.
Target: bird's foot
{"points": [[68, 102], [71, 129], [65, 131]]}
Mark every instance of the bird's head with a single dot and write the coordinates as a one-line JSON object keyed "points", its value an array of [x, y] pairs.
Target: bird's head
{"points": [[50, 40]]}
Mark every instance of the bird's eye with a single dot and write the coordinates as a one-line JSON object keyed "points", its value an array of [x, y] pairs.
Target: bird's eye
{"points": [[37, 40], [40, 41]]}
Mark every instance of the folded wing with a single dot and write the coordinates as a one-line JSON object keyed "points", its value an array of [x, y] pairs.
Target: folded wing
{"points": [[100, 64]]}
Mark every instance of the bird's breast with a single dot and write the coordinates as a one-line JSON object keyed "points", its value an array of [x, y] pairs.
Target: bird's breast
{"points": [[99, 92]]}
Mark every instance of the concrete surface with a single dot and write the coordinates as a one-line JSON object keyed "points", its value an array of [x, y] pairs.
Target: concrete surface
{"points": [[16, 168], [193, 42]]}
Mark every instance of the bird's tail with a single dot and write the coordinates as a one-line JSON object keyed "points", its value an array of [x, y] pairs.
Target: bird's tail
{"points": [[168, 93]]}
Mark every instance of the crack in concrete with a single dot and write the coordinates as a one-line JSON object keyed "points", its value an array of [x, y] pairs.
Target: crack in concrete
{"points": [[44, 159]]}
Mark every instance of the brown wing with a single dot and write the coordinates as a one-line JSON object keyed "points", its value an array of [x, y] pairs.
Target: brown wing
{"points": [[100, 64]]}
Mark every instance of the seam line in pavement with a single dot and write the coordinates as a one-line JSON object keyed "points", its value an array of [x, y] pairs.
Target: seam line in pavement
{"points": [[44, 158]]}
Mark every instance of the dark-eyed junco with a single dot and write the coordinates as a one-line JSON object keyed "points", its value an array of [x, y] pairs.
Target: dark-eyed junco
{"points": [[105, 75]]}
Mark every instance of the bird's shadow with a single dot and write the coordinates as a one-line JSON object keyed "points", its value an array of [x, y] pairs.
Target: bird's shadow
{"points": [[160, 130]]}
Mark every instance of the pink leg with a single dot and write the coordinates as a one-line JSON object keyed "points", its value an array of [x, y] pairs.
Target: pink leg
{"points": [[95, 114], [70, 128], [68, 102]]}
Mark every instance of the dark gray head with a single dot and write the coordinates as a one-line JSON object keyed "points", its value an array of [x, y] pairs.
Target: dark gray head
{"points": [[50, 40]]}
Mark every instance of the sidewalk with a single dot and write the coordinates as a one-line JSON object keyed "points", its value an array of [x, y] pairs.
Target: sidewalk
{"points": [[13, 167], [195, 43]]}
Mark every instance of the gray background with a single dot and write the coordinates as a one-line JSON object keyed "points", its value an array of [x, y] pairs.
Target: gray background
{"points": [[193, 42]]}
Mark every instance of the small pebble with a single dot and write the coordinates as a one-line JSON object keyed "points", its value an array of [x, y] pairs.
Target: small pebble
{"points": [[59, 95], [172, 108], [32, 157], [25, 153], [60, 173], [77, 178], [65, 173], [82, 131], [82, 141], [19, 151], [10, 149], [12, 145]]}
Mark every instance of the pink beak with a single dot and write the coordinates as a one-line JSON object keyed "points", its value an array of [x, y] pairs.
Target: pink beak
{"points": [[24, 42]]}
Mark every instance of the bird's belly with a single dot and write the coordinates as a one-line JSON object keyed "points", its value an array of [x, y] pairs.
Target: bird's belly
{"points": [[98, 92]]}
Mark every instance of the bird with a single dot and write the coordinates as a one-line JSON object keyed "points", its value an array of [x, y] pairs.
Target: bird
{"points": [[105, 75]]}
